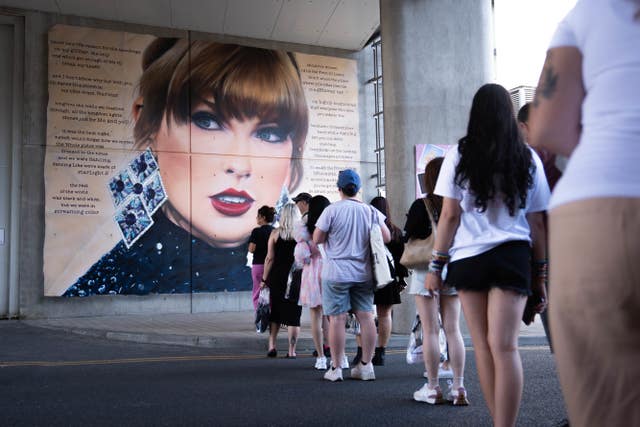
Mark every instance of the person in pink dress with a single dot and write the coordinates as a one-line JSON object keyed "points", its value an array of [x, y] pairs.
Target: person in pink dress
{"points": [[307, 254]]}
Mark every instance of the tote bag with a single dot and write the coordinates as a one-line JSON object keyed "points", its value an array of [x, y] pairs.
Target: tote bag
{"points": [[417, 252], [380, 255]]}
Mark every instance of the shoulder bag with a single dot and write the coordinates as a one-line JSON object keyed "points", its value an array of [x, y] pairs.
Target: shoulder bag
{"points": [[381, 258], [417, 252]]}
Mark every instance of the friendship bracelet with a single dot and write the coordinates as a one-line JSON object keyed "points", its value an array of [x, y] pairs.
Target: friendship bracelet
{"points": [[440, 255], [437, 263], [435, 267], [541, 268]]}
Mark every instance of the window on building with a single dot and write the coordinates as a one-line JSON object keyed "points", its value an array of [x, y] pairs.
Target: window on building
{"points": [[375, 85]]}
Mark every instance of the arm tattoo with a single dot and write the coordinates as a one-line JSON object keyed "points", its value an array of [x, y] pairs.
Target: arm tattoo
{"points": [[548, 82]]}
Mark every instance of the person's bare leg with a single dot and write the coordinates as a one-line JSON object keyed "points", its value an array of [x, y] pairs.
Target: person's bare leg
{"points": [[428, 312], [315, 313], [325, 330], [474, 305], [292, 333], [273, 335], [450, 310], [336, 338], [384, 324], [504, 315], [367, 334]]}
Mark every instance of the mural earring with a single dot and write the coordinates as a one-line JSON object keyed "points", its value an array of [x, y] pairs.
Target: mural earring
{"points": [[137, 193], [282, 200]]}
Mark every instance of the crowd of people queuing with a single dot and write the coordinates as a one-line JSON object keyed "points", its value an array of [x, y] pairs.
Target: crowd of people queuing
{"points": [[488, 200]]}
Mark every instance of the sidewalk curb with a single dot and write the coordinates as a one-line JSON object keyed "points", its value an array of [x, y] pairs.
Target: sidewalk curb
{"points": [[240, 342]]}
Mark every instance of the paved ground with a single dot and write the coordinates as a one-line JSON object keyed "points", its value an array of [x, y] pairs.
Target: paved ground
{"points": [[51, 377], [230, 331]]}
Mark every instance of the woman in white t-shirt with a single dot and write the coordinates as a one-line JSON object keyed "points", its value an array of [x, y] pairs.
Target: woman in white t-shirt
{"points": [[587, 107], [490, 228]]}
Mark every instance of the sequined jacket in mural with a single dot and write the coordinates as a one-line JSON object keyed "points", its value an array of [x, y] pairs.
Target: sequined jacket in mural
{"points": [[165, 260]]}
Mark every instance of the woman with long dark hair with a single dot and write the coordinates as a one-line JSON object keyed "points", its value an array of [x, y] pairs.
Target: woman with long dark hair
{"points": [[258, 247], [309, 256], [491, 226]]}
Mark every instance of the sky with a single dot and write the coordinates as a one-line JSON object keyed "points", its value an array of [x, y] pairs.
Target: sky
{"points": [[523, 29]]}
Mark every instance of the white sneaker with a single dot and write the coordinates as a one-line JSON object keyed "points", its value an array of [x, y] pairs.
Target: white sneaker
{"points": [[321, 363], [363, 372], [333, 375], [446, 374], [429, 395], [345, 362]]}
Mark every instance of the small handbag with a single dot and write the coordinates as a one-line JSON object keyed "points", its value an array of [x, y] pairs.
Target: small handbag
{"points": [[294, 280], [352, 326], [381, 258], [417, 252], [414, 348], [263, 312]]}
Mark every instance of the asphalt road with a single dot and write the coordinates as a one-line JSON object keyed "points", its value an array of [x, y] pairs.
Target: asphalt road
{"points": [[51, 378]]}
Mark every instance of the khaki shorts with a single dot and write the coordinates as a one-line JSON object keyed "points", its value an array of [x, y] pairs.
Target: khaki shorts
{"points": [[594, 309]]}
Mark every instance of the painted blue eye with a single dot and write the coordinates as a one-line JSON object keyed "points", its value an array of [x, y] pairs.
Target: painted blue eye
{"points": [[272, 134], [205, 120]]}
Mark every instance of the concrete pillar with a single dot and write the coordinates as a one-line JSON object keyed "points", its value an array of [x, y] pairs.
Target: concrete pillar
{"points": [[435, 55]]}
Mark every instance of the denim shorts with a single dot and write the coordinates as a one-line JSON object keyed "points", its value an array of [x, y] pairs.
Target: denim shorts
{"points": [[416, 285], [340, 297]]}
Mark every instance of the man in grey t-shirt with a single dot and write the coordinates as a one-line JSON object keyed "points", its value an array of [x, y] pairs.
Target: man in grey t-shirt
{"points": [[344, 229]]}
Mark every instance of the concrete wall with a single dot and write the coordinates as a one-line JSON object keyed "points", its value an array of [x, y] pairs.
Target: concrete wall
{"points": [[32, 302], [435, 55]]}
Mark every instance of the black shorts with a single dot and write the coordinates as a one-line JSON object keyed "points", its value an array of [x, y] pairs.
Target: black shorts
{"points": [[507, 266]]}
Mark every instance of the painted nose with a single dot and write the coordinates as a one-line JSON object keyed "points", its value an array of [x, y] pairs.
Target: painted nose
{"points": [[239, 166]]}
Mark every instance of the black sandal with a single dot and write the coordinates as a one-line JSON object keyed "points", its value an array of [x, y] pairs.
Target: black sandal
{"points": [[272, 353]]}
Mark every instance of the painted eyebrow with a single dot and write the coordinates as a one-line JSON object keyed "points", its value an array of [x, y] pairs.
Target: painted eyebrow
{"points": [[210, 104]]}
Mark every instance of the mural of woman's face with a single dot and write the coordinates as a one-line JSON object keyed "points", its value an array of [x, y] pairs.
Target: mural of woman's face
{"points": [[233, 169]]}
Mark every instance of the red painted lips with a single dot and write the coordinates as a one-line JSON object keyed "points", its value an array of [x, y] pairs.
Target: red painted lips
{"points": [[231, 202]]}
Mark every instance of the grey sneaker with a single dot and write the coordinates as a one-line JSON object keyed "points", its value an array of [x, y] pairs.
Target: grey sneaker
{"points": [[333, 374], [363, 372]]}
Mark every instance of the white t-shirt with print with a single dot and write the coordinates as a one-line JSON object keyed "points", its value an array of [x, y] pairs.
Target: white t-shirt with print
{"points": [[347, 224], [605, 162], [479, 232]]}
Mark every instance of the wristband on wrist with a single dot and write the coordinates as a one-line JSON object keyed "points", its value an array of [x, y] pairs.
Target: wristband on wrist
{"points": [[541, 269], [440, 256]]}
